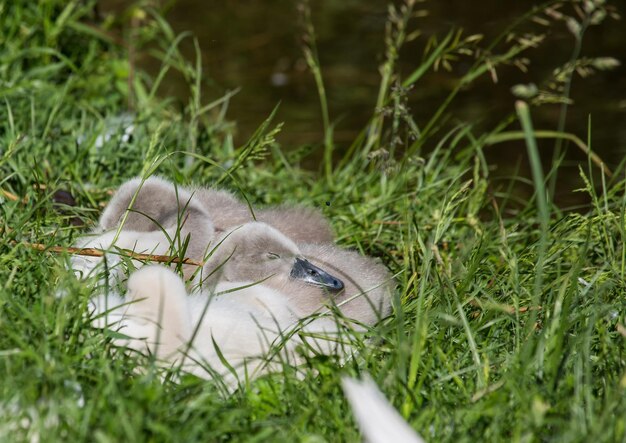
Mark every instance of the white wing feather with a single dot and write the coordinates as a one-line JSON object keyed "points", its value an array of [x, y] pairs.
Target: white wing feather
{"points": [[378, 420]]}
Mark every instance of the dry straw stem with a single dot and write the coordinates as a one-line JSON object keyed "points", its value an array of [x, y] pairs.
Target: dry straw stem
{"points": [[93, 252]]}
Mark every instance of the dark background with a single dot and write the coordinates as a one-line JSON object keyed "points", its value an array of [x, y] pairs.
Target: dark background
{"points": [[256, 45]]}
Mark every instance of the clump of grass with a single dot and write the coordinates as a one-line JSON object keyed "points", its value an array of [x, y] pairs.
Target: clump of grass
{"points": [[509, 319]]}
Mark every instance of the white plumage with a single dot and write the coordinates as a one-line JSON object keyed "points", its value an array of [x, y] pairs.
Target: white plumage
{"points": [[378, 420]]}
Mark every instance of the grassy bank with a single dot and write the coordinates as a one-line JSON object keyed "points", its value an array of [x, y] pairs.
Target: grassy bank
{"points": [[509, 319]]}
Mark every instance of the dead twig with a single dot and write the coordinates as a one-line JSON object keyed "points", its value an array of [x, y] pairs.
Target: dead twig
{"points": [[93, 252]]}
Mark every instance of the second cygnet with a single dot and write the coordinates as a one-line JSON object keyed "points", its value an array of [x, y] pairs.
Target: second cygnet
{"points": [[156, 202]]}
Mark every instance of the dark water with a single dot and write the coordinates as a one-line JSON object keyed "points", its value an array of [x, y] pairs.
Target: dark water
{"points": [[256, 45]]}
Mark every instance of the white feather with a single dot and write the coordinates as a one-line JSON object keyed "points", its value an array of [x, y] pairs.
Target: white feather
{"points": [[378, 420]]}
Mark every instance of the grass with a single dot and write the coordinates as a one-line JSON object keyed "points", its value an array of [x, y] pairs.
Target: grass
{"points": [[509, 322]]}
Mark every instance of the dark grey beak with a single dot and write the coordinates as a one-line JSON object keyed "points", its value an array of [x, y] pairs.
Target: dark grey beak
{"points": [[305, 271]]}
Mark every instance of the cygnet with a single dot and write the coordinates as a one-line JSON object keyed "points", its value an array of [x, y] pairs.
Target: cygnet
{"points": [[156, 202], [263, 290]]}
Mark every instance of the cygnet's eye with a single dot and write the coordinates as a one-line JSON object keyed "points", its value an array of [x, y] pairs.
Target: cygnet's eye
{"points": [[272, 256]]}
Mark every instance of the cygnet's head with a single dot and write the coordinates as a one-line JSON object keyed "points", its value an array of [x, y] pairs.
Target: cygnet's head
{"points": [[256, 252], [148, 205]]}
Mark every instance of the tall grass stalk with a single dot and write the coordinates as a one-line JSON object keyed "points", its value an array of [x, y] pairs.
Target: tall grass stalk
{"points": [[540, 196], [578, 29], [396, 35], [313, 62]]}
